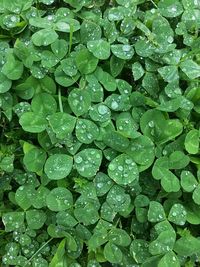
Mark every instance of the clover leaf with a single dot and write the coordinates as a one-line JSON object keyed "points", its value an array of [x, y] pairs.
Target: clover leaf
{"points": [[58, 166], [59, 199], [88, 161], [123, 170]]}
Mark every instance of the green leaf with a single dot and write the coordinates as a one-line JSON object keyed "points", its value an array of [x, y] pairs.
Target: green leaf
{"points": [[177, 214], [69, 66], [124, 51], [188, 181], [156, 212], [62, 124], [86, 131], [13, 220], [192, 141], [116, 65], [137, 71], [169, 258], [139, 250], [99, 48], [102, 183], [59, 199], [12, 69], [88, 161], [116, 13], [5, 83], [34, 159], [86, 210], [150, 83], [126, 125], [123, 170], [141, 149], [196, 195], [163, 244], [90, 31], [66, 219], [43, 104], [64, 80], [112, 253], [170, 9], [118, 199], [44, 37], [169, 73], [106, 80], [190, 68], [67, 25], [96, 240], [58, 166], [79, 101], [59, 48], [85, 61], [33, 122], [119, 237], [100, 113], [57, 260], [187, 246], [24, 196], [35, 218]]}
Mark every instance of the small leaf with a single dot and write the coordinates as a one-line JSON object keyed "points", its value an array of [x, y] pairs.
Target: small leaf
{"points": [[44, 37], [59, 199], [196, 195], [24, 196], [13, 221], [79, 101], [187, 246], [170, 9], [85, 61], [190, 68], [169, 73], [58, 166], [177, 214], [188, 181], [124, 51], [169, 259], [12, 69], [156, 212], [88, 161], [86, 131], [33, 123], [137, 71], [192, 141], [119, 237], [99, 48], [35, 218], [123, 170], [112, 253], [62, 124]]}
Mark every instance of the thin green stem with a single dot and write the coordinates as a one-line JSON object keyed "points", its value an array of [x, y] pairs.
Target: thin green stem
{"points": [[70, 38], [60, 100], [39, 250], [153, 3]]}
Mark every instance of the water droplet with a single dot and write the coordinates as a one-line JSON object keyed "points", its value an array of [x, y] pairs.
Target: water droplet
{"points": [[78, 159], [114, 105], [102, 109], [151, 124], [120, 168]]}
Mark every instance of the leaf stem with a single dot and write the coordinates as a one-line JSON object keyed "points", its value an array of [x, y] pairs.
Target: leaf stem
{"points": [[60, 100], [153, 3], [70, 38], [39, 250]]}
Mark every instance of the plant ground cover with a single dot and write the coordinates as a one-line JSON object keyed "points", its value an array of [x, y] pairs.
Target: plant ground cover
{"points": [[99, 149]]}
